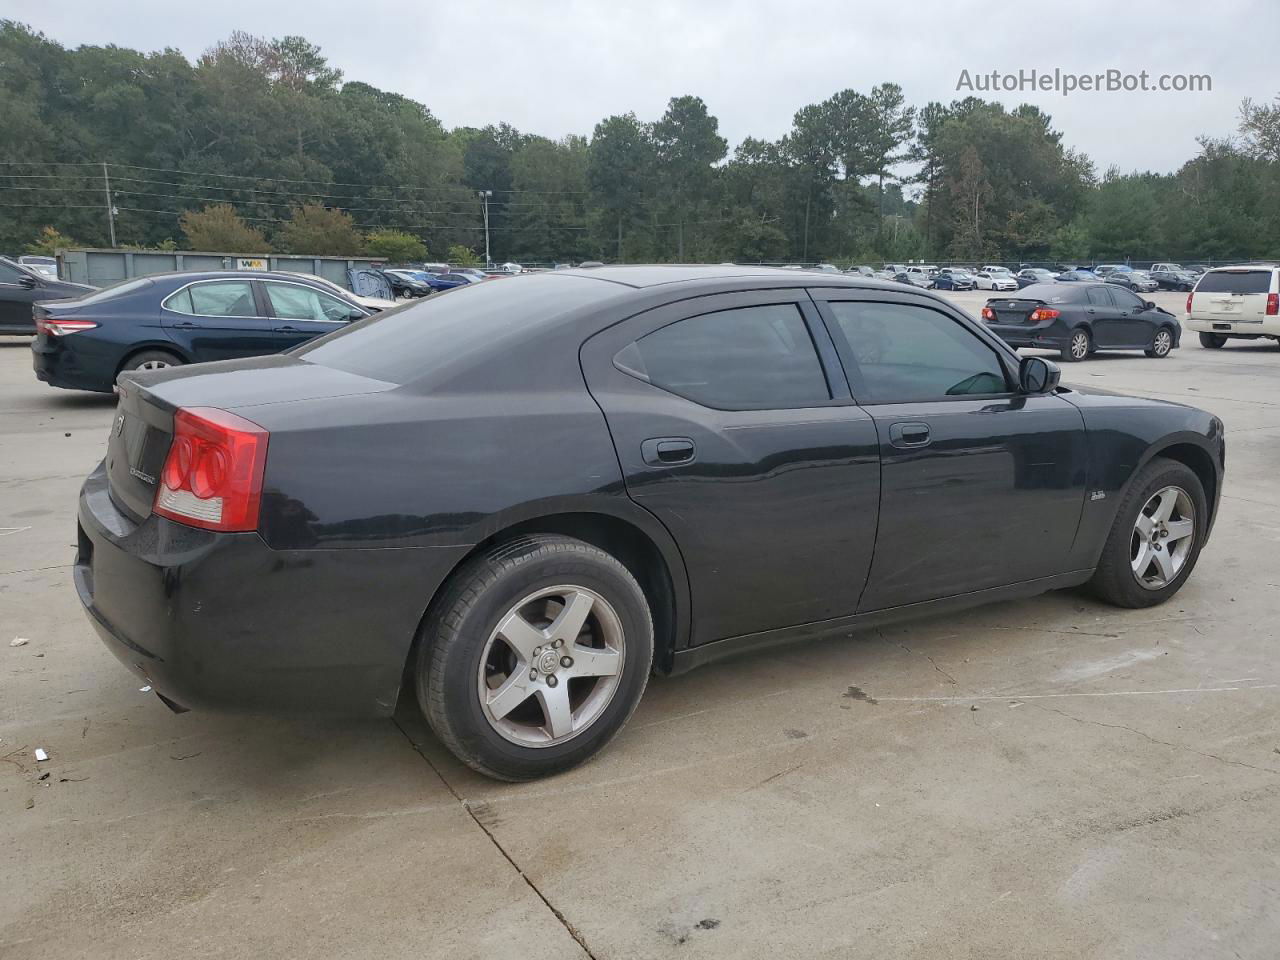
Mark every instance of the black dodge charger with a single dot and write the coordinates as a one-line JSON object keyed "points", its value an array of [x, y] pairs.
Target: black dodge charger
{"points": [[1079, 319], [525, 500]]}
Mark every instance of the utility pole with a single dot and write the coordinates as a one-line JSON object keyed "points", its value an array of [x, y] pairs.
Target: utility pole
{"points": [[111, 209], [680, 247], [620, 257], [485, 195]]}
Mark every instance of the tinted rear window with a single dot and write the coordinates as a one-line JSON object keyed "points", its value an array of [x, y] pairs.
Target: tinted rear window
{"points": [[121, 289], [1235, 281], [406, 344]]}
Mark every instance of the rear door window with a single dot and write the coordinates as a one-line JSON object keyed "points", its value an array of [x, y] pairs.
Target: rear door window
{"points": [[1235, 281], [748, 358], [225, 298]]}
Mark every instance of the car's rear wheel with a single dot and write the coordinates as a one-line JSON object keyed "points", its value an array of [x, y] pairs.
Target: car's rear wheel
{"points": [[1213, 341], [1155, 538], [1162, 343], [152, 360], [534, 657], [1078, 346]]}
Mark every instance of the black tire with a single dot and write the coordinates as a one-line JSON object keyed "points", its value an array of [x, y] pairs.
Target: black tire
{"points": [[1161, 345], [1114, 580], [1072, 351], [1212, 341], [151, 360], [456, 632]]}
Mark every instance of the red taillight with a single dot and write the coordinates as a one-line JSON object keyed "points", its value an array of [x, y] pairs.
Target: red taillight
{"points": [[55, 327], [988, 313], [1189, 296], [1044, 313], [212, 477], [1273, 304]]}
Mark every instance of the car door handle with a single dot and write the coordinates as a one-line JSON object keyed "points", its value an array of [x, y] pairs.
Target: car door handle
{"points": [[184, 324], [286, 329], [907, 435], [668, 451]]}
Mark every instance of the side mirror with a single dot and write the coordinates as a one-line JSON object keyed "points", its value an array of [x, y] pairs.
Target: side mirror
{"points": [[26, 281], [1037, 375], [1149, 304]]}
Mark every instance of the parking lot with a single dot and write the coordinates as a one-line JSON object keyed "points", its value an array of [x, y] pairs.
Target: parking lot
{"points": [[1044, 778]]}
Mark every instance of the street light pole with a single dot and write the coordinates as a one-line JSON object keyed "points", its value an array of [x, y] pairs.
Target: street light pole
{"points": [[485, 195]]}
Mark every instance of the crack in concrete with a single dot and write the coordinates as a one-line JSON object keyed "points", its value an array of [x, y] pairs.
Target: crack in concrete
{"points": [[949, 677], [466, 805], [1147, 736]]}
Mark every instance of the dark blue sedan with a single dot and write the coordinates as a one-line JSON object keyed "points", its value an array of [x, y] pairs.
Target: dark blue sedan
{"points": [[170, 319]]}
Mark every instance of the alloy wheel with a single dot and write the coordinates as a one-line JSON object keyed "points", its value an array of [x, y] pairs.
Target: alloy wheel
{"points": [[1079, 345], [1163, 536], [1163, 343], [153, 365], [551, 666]]}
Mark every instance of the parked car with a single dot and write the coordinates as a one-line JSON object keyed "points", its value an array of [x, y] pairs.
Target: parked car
{"points": [[445, 280], [252, 517], [409, 284], [472, 275], [1235, 303], [1078, 275], [1103, 270], [1197, 268], [172, 319], [825, 268], [861, 271], [45, 266], [1029, 275], [1002, 279], [1135, 280], [1082, 318], [1172, 277], [372, 304], [952, 278], [913, 279], [20, 287]]}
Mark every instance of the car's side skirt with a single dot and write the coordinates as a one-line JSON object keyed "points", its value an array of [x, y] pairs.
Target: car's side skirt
{"points": [[687, 659]]}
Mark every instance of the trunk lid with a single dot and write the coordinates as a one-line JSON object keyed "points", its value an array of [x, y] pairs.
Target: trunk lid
{"points": [[1013, 310], [142, 430]]}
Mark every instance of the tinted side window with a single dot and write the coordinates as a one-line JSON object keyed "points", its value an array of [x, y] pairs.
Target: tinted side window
{"points": [[750, 358], [1125, 299], [909, 354], [10, 273], [231, 298], [1098, 297]]}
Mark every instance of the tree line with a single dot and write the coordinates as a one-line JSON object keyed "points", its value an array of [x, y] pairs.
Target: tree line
{"points": [[260, 145]]}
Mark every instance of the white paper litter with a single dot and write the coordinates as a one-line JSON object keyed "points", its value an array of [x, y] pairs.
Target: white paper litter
{"points": [[19, 642], [40, 754]]}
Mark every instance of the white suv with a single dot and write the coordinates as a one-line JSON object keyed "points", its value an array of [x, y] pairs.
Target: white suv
{"points": [[1235, 302]]}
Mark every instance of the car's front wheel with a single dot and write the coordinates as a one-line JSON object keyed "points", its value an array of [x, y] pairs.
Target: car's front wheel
{"points": [[534, 656], [1078, 346], [1162, 343], [1155, 538]]}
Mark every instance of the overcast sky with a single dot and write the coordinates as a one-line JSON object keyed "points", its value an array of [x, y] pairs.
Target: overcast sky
{"points": [[554, 68]]}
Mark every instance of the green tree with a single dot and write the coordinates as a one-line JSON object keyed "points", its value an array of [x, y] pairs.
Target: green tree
{"points": [[395, 245], [620, 164], [322, 231], [219, 228], [463, 256], [49, 241]]}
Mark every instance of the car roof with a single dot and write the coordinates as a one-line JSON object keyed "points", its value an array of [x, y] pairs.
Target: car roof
{"points": [[652, 275]]}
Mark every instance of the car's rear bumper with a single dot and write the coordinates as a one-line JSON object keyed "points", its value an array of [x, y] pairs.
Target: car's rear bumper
{"points": [[60, 367], [1265, 327], [222, 621], [1049, 334]]}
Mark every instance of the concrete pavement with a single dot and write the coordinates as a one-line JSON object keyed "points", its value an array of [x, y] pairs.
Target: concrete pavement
{"points": [[1047, 778]]}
